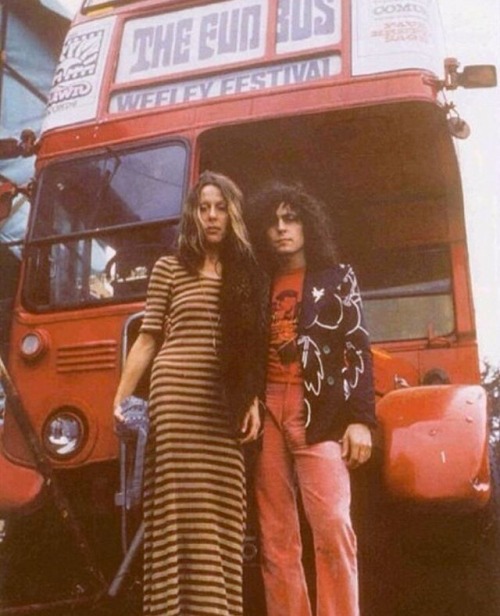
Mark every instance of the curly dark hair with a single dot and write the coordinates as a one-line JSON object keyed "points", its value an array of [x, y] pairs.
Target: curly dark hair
{"points": [[319, 244]]}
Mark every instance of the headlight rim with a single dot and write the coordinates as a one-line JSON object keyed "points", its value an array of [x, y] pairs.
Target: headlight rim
{"points": [[64, 412], [41, 337]]}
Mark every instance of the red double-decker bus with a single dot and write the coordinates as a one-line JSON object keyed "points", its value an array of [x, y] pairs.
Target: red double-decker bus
{"points": [[342, 95]]}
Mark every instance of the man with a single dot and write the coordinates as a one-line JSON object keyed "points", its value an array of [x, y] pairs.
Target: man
{"points": [[320, 405]]}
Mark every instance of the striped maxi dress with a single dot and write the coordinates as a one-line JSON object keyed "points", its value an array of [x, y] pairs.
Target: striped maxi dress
{"points": [[194, 502]]}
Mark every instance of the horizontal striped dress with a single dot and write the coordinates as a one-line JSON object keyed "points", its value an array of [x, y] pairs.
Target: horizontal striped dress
{"points": [[194, 503]]}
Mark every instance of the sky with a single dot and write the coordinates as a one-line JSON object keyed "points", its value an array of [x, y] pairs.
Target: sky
{"points": [[472, 36]]}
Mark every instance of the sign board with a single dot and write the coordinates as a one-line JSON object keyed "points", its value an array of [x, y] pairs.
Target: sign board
{"points": [[74, 96], [237, 82], [217, 38], [390, 35]]}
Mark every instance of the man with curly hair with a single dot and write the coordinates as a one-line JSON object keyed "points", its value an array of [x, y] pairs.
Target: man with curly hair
{"points": [[320, 404]]}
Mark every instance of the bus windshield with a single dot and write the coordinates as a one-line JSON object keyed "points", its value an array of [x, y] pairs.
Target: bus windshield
{"points": [[99, 224], [380, 173]]}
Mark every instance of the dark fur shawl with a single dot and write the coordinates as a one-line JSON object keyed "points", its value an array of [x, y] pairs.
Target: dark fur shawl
{"points": [[244, 314]]}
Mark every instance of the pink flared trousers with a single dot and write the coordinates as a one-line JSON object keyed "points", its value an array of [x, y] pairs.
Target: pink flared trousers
{"points": [[286, 463]]}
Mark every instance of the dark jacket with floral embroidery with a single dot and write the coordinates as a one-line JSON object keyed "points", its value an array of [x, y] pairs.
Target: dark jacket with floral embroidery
{"points": [[335, 354]]}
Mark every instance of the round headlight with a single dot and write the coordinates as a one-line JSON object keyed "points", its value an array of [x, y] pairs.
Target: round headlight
{"points": [[33, 345], [64, 433]]}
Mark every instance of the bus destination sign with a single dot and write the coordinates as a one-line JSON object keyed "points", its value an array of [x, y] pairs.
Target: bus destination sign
{"points": [[217, 49], [224, 34]]}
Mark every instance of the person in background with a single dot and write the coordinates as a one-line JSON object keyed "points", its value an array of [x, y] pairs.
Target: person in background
{"points": [[320, 404], [204, 312]]}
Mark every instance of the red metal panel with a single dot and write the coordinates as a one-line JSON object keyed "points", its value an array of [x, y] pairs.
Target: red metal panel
{"points": [[21, 486], [80, 369], [436, 444]]}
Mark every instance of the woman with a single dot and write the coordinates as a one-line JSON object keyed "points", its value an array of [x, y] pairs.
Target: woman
{"points": [[204, 312]]}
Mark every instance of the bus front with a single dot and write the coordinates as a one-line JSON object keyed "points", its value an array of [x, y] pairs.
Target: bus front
{"points": [[341, 95]]}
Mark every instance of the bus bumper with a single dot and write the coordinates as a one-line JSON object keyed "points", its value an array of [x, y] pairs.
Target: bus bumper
{"points": [[20, 487], [435, 441]]}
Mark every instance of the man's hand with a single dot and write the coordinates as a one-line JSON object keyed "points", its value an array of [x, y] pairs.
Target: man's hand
{"points": [[250, 425], [356, 445]]}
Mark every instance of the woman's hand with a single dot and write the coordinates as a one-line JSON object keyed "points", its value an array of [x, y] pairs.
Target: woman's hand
{"points": [[141, 354], [356, 445], [250, 424], [118, 413]]}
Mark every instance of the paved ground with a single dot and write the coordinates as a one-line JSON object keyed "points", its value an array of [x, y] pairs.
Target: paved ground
{"points": [[411, 565]]}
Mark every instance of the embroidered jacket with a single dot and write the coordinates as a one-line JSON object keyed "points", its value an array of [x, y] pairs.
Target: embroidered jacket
{"points": [[335, 354]]}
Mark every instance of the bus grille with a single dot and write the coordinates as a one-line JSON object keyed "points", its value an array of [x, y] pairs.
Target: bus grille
{"points": [[89, 356]]}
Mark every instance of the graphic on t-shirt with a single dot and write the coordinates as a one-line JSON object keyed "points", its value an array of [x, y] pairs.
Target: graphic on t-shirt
{"points": [[285, 311], [284, 354]]}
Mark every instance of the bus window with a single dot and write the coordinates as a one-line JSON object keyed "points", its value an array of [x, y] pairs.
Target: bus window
{"points": [[110, 190], [407, 293], [391, 205], [101, 223]]}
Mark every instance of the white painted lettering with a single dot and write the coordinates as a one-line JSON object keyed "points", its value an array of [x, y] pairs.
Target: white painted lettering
{"points": [[229, 32], [303, 19], [128, 101], [227, 86], [190, 93], [162, 46], [182, 41], [166, 96], [143, 39], [205, 88], [399, 7], [208, 34]]}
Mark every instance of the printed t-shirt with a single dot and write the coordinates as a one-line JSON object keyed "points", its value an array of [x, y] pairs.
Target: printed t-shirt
{"points": [[283, 359]]}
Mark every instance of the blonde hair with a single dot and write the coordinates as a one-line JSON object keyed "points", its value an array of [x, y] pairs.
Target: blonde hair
{"points": [[192, 245]]}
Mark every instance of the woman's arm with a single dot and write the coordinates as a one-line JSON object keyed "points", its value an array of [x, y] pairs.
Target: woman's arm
{"points": [[140, 356]]}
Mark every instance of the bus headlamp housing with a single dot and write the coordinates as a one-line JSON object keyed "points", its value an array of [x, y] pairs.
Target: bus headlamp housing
{"points": [[33, 345], [64, 433]]}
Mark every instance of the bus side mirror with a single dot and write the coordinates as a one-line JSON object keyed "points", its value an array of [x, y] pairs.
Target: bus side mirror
{"points": [[478, 76], [473, 76]]}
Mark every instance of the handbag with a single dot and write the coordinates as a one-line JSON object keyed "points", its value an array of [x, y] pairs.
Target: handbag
{"points": [[133, 434]]}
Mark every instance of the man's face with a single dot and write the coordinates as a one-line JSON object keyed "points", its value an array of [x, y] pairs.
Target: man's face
{"points": [[286, 234]]}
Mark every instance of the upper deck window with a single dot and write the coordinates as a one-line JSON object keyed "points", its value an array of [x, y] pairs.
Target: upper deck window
{"points": [[114, 189]]}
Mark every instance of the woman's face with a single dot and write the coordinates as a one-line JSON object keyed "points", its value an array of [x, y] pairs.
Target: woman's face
{"points": [[213, 214]]}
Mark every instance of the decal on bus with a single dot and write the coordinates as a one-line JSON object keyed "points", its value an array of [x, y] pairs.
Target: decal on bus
{"points": [[75, 90], [393, 34]]}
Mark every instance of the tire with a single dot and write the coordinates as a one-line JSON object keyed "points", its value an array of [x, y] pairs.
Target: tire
{"points": [[416, 562], [39, 560]]}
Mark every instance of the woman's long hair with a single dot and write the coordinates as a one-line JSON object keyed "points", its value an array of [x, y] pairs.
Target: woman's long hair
{"points": [[243, 299], [192, 243], [319, 244]]}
